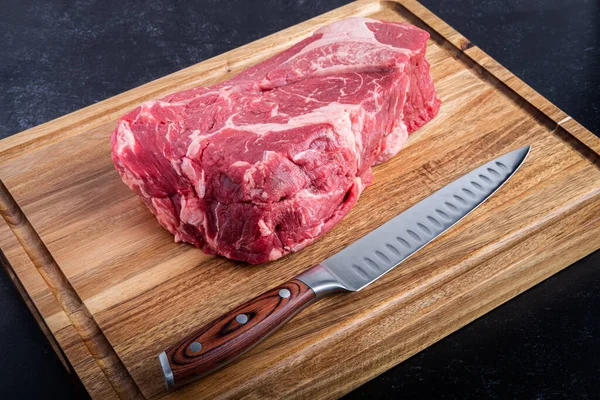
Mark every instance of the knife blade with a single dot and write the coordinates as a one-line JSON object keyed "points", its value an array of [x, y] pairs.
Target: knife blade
{"points": [[352, 269]]}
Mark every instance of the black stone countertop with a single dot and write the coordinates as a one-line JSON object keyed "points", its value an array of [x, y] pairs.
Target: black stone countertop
{"points": [[56, 57]]}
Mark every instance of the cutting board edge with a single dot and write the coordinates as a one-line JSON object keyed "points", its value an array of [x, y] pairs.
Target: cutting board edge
{"points": [[465, 49], [35, 312], [53, 340], [462, 46]]}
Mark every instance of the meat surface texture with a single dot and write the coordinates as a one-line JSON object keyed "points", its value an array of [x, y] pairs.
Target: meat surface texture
{"points": [[267, 162]]}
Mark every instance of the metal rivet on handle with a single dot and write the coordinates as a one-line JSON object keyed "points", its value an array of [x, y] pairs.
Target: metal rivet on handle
{"points": [[196, 347], [284, 293], [242, 319]]}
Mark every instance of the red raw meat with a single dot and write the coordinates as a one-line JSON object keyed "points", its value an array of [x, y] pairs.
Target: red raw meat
{"points": [[267, 162]]}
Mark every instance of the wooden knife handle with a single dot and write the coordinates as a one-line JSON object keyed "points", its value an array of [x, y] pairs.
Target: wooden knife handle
{"points": [[229, 336]]}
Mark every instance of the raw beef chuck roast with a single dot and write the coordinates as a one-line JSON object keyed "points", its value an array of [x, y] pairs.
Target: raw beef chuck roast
{"points": [[267, 162]]}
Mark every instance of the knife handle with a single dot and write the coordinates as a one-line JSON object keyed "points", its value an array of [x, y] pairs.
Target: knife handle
{"points": [[229, 336]]}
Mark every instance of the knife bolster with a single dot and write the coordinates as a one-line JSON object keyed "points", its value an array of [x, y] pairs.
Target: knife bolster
{"points": [[322, 281]]}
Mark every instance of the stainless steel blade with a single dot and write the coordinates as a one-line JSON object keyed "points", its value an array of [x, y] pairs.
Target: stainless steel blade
{"points": [[376, 253]]}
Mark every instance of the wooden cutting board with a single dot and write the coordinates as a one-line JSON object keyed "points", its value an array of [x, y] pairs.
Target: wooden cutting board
{"points": [[145, 291]]}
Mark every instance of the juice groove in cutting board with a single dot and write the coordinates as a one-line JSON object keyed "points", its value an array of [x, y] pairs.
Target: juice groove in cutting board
{"points": [[147, 292]]}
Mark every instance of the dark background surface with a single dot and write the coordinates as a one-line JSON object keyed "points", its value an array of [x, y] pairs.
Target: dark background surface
{"points": [[57, 57]]}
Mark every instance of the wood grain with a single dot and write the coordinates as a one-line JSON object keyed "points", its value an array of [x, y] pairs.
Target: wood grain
{"points": [[69, 300], [145, 291], [36, 314], [224, 339]]}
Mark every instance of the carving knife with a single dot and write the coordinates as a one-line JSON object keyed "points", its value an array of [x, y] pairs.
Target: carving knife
{"points": [[350, 270]]}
